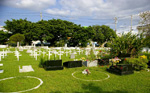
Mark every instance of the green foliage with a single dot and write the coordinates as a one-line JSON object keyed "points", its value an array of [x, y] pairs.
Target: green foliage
{"points": [[16, 38], [91, 56], [103, 33], [127, 44], [57, 30], [145, 28], [139, 62], [3, 37]]}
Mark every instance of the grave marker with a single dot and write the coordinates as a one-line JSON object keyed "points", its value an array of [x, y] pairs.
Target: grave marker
{"points": [[17, 55], [60, 53], [79, 51], [72, 56], [49, 54], [43, 53]]}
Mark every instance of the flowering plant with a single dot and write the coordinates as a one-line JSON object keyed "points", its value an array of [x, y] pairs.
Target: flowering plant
{"points": [[83, 58], [115, 60]]}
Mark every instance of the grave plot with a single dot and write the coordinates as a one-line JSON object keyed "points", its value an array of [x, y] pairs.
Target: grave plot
{"points": [[20, 84], [94, 75], [26, 69]]}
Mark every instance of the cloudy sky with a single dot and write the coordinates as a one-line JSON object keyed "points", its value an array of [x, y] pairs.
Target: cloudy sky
{"points": [[84, 12]]}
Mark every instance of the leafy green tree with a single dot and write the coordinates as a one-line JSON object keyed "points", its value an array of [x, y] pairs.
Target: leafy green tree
{"points": [[145, 28], [60, 29], [21, 26], [81, 36], [16, 26], [127, 44], [98, 35], [103, 33], [40, 31], [3, 37], [17, 38]]}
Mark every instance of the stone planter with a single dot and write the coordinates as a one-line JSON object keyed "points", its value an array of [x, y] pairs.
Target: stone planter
{"points": [[90, 63]]}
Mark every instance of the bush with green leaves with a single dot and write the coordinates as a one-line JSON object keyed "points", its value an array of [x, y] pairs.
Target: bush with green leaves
{"points": [[139, 63], [127, 44], [92, 56]]}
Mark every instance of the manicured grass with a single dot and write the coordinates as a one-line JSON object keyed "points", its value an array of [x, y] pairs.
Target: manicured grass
{"points": [[62, 81]]}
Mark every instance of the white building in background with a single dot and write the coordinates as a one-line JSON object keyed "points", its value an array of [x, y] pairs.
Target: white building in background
{"points": [[2, 28]]}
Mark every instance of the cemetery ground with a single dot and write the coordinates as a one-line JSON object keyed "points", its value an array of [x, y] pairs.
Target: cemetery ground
{"points": [[62, 81]]}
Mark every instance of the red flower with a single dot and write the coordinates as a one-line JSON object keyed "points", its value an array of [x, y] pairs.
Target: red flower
{"points": [[125, 59], [107, 65], [100, 51], [121, 68], [102, 65]]}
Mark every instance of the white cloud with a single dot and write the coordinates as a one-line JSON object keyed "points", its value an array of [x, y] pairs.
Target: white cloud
{"points": [[100, 9], [58, 12], [30, 4]]}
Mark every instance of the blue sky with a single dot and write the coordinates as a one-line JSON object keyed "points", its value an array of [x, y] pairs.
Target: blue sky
{"points": [[84, 12]]}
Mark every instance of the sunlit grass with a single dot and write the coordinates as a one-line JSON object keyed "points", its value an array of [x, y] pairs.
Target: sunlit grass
{"points": [[62, 81]]}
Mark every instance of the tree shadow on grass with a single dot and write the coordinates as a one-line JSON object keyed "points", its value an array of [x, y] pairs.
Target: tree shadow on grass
{"points": [[91, 88]]}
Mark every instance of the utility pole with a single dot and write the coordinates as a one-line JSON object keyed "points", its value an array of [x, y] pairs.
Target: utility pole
{"points": [[115, 24], [41, 15], [131, 23]]}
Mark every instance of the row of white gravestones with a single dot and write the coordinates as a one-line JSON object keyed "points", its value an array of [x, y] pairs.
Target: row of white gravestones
{"points": [[17, 54], [60, 52]]}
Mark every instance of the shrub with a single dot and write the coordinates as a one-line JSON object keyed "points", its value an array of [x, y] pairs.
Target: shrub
{"points": [[139, 63], [127, 44]]}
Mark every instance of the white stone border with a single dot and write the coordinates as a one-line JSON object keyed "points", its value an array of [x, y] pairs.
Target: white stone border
{"points": [[41, 82], [90, 80]]}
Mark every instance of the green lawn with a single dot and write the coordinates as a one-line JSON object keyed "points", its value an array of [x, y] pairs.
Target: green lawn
{"points": [[62, 81]]}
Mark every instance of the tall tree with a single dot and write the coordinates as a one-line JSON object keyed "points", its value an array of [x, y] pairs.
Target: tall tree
{"points": [[21, 26], [145, 28], [16, 38], [103, 33], [16, 26], [3, 37]]}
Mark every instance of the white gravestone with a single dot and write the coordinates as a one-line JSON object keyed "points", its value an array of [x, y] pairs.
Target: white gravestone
{"points": [[79, 51], [55, 52], [35, 55], [17, 54], [60, 53], [66, 53], [43, 53], [49, 55], [72, 56], [26, 69]]}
